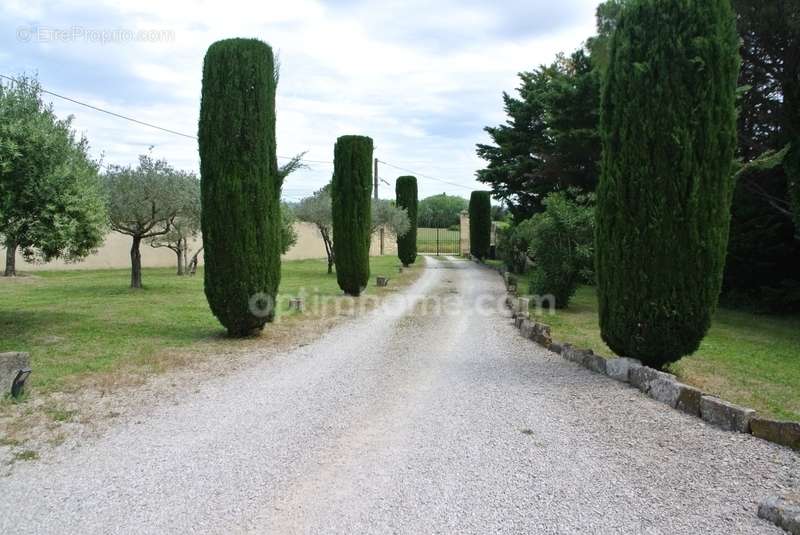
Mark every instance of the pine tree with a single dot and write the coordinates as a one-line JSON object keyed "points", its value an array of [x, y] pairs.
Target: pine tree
{"points": [[351, 189], [480, 224], [406, 195], [669, 131], [240, 182]]}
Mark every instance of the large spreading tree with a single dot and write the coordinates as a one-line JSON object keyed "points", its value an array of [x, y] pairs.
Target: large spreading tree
{"points": [[440, 211], [663, 203], [51, 203], [550, 141], [764, 246], [351, 191], [240, 183]]}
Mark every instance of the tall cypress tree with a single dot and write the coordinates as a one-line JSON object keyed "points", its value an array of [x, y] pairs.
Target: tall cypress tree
{"points": [[480, 224], [241, 219], [405, 190], [663, 204], [351, 188]]}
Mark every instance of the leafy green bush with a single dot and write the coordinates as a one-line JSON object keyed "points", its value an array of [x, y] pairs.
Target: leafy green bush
{"points": [[351, 208], [562, 246], [668, 123], [240, 183], [513, 245], [480, 224]]}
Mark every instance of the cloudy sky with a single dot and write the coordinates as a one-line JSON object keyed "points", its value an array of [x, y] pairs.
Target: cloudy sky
{"points": [[421, 78]]}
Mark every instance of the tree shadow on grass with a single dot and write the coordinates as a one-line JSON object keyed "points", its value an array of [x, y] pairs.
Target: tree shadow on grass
{"points": [[23, 325]]}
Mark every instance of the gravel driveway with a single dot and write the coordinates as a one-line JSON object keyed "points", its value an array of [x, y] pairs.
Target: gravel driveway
{"points": [[404, 422]]}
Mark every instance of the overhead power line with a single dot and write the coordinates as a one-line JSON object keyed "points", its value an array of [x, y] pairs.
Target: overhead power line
{"points": [[189, 136], [131, 119], [101, 110], [425, 176]]}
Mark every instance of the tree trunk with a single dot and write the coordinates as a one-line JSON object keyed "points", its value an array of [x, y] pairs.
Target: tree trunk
{"points": [[186, 257], [179, 252], [191, 266], [11, 259], [328, 251], [136, 263]]}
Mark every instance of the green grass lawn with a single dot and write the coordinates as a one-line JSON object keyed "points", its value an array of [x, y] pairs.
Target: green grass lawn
{"points": [[74, 323], [753, 360]]}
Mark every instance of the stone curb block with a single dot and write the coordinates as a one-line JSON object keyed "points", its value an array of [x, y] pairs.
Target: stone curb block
{"points": [[784, 433], [526, 328], [726, 415], [596, 363], [620, 368], [555, 348], [572, 354], [10, 364], [645, 378], [784, 512], [538, 332], [664, 388], [522, 306], [689, 399]]}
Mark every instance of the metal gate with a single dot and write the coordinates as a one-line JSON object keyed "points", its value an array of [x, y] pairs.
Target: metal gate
{"points": [[439, 241]]}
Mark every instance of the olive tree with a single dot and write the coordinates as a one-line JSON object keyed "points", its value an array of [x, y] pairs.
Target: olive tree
{"points": [[316, 209], [51, 203], [386, 214], [144, 202], [185, 226]]}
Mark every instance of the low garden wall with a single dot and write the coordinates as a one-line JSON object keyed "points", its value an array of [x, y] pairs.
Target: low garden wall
{"points": [[115, 252]]}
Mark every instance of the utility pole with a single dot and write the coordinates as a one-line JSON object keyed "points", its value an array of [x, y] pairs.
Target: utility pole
{"points": [[375, 191], [375, 180]]}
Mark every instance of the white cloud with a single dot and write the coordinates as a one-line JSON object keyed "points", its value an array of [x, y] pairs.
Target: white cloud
{"points": [[421, 78]]}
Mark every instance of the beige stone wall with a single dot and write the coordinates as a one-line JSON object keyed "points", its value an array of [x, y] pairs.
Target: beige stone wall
{"points": [[115, 252], [464, 224]]}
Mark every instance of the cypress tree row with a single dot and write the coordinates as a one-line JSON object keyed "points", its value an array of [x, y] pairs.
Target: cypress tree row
{"points": [[480, 224], [351, 189], [668, 123], [241, 219], [405, 190]]}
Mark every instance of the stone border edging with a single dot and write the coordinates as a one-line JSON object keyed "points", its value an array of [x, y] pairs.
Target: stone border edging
{"points": [[661, 386], [784, 512]]}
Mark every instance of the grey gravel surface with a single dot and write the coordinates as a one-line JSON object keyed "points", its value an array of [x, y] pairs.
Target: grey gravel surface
{"points": [[408, 422]]}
